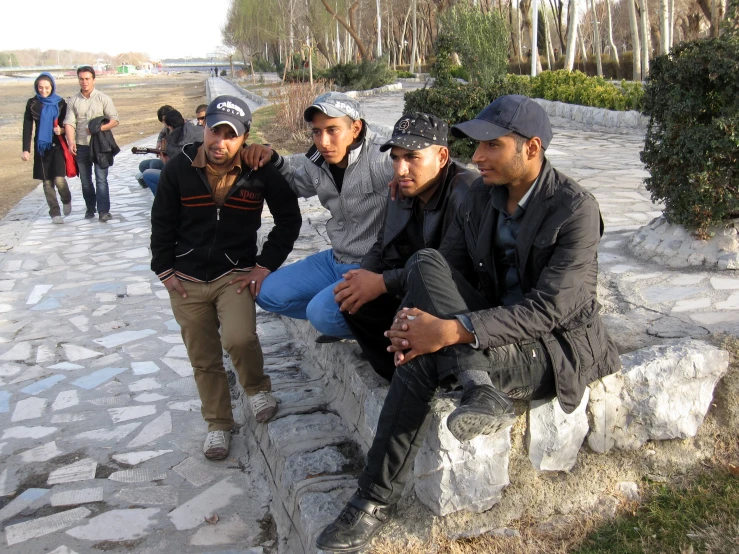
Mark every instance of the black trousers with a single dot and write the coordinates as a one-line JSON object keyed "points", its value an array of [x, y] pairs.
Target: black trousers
{"points": [[521, 370], [368, 325]]}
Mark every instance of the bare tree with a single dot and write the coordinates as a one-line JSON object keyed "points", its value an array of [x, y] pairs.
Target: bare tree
{"points": [[349, 26], [635, 41], [571, 37], [664, 27], [597, 45], [646, 35], [414, 24], [379, 28], [611, 44]]}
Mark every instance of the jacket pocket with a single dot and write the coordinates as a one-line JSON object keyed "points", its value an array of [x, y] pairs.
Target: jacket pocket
{"points": [[234, 263], [183, 254], [586, 335]]}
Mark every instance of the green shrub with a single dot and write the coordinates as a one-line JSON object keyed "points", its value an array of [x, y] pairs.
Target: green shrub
{"points": [[302, 75], [405, 75], [456, 102], [692, 145], [362, 76], [577, 88], [460, 72]]}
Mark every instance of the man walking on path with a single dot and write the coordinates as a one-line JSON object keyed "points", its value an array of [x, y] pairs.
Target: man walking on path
{"points": [[506, 308], [433, 187], [204, 224], [82, 108], [349, 173]]}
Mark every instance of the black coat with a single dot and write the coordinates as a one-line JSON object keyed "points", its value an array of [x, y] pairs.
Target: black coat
{"points": [[197, 241], [102, 144], [557, 257], [51, 163], [384, 256]]}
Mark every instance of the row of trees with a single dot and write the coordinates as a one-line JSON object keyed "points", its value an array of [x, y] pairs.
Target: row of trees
{"points": [[405, 31]]}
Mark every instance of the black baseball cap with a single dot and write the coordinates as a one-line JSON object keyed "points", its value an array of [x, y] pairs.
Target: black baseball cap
{"points": [[231, 111], [512, 113], [416, 131]]}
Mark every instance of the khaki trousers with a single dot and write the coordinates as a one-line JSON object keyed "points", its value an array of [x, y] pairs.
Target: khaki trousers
{"points": [[208, 307]]}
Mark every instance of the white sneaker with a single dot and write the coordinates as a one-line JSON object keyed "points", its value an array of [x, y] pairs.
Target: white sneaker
{"points": [[217, 444], [67, 208], [57, 219], [263, 405]]}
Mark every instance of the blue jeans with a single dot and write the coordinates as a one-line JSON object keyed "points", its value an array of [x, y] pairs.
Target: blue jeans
{"points": [[151, 178], [93, 194], [305, 290], [150, 163]]}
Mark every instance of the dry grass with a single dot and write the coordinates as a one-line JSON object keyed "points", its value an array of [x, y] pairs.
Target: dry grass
{"points": [[295, 98]]}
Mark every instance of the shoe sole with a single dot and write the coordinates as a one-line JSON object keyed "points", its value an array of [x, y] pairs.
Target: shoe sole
{"points": [[465, 426], [265, 415], [218, 454]]}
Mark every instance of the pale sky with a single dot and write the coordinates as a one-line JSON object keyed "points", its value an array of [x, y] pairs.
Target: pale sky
{"points": [[161, 28]]}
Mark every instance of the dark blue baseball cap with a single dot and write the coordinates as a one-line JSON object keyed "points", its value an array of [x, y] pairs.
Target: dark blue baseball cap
{"points": [[512, 113]]}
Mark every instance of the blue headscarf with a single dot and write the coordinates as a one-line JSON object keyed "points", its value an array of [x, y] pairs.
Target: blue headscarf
{"points": [[49, 112]]}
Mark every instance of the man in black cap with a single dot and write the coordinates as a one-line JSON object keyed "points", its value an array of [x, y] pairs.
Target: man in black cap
{"points": [[433, 187], [204, 224], [507, 308]]}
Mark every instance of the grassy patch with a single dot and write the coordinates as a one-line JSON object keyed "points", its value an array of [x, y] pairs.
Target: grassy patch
{"points": [[701, 514], [266, 129]]}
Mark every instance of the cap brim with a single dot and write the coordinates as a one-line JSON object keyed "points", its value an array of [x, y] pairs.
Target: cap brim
{"points": [[212, 122], [409, 142], [330, 111], [479, 129]]}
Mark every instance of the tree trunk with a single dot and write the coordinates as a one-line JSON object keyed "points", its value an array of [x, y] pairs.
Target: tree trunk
{"points": [[349, 28], [597, 45], [571, 37], [635, 42], [583, 50], [379, 29], [548, 39], [610, 34], [646, 36], [664, 26], [672, 22], [414, 25], [535, 61]]}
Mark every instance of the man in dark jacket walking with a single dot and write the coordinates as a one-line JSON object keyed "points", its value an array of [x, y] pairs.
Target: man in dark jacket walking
{"points": [[433, 187], [507, 308], [204, 224]]}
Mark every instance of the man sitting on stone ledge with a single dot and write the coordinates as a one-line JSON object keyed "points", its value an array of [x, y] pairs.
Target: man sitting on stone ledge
{"points": [[507, 308], [349, 173], [433, 187]]}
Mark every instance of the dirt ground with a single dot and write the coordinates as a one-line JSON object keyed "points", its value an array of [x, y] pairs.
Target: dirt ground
{"points": [[136, 98]]}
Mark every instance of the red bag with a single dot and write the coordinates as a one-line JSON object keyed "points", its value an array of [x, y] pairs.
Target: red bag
{"points": [[69, 160]]}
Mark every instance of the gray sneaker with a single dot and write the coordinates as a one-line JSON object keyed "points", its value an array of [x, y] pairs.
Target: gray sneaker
{"points": [[263, 405], [217, 445], [67, 208], [57, 219], [106, 217]]}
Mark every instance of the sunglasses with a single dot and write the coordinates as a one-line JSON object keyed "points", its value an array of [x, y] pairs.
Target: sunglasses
{"points": [[201, 118]]}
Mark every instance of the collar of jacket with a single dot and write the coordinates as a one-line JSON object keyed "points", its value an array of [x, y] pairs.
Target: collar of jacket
{"points": [[366, 136]]}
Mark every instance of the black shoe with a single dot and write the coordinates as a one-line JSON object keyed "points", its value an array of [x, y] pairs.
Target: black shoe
{"points": [[358, 522], [89, 215], [325, 339], [105, 217], [140, 179], [483, 410]]}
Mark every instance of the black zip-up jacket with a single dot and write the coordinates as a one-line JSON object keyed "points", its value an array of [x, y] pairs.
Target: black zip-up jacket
{"points": [[557, 260], [197, 241], [384, 257], [103, 147]]}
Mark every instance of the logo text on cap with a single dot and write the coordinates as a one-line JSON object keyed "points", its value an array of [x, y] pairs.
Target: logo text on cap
{"points": [[230, 107]]}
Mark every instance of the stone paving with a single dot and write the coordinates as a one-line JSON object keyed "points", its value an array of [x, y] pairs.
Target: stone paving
{"points": [[101, 435]]}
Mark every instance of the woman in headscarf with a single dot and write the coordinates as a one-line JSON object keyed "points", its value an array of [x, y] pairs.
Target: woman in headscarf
{"points": [[47, 109]]}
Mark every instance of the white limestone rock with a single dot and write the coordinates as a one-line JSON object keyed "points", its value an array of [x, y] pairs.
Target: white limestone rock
{"points": [[451, 475], [662, 392], [554, 437]]}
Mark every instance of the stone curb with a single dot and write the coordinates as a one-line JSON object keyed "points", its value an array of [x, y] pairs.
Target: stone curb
{"points": [[594, 116], [256, 98]]}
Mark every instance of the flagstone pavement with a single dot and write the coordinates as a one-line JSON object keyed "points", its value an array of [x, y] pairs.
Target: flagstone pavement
{"points": [[100, 430]]}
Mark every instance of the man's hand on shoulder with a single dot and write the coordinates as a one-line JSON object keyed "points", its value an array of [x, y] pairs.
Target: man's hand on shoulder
{"points": [[173, 284], [256, 155], [358, 287]]}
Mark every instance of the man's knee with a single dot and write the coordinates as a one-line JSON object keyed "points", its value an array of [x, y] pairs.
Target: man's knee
{"points": [[426, 257], [238, 340], [420, 377], [324, 314], [272, 296]]}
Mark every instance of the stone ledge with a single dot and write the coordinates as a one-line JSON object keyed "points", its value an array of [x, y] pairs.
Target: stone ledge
{"points": [[596, 117], [673, 246]]}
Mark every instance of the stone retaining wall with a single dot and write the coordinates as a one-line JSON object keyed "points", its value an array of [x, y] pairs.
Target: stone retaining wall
{"points": [[256, 98], [596, 117]]}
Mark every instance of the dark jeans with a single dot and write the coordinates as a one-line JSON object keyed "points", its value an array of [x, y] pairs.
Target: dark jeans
{"points": [[368, 326], [93, 194], [521, 370]]}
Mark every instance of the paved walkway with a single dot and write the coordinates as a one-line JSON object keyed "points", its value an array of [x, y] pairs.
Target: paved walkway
{"points": [[100, 430]]}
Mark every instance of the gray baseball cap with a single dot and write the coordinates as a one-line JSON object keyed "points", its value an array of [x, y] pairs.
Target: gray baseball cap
{"points": [[334, 104], [512, 113]]}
